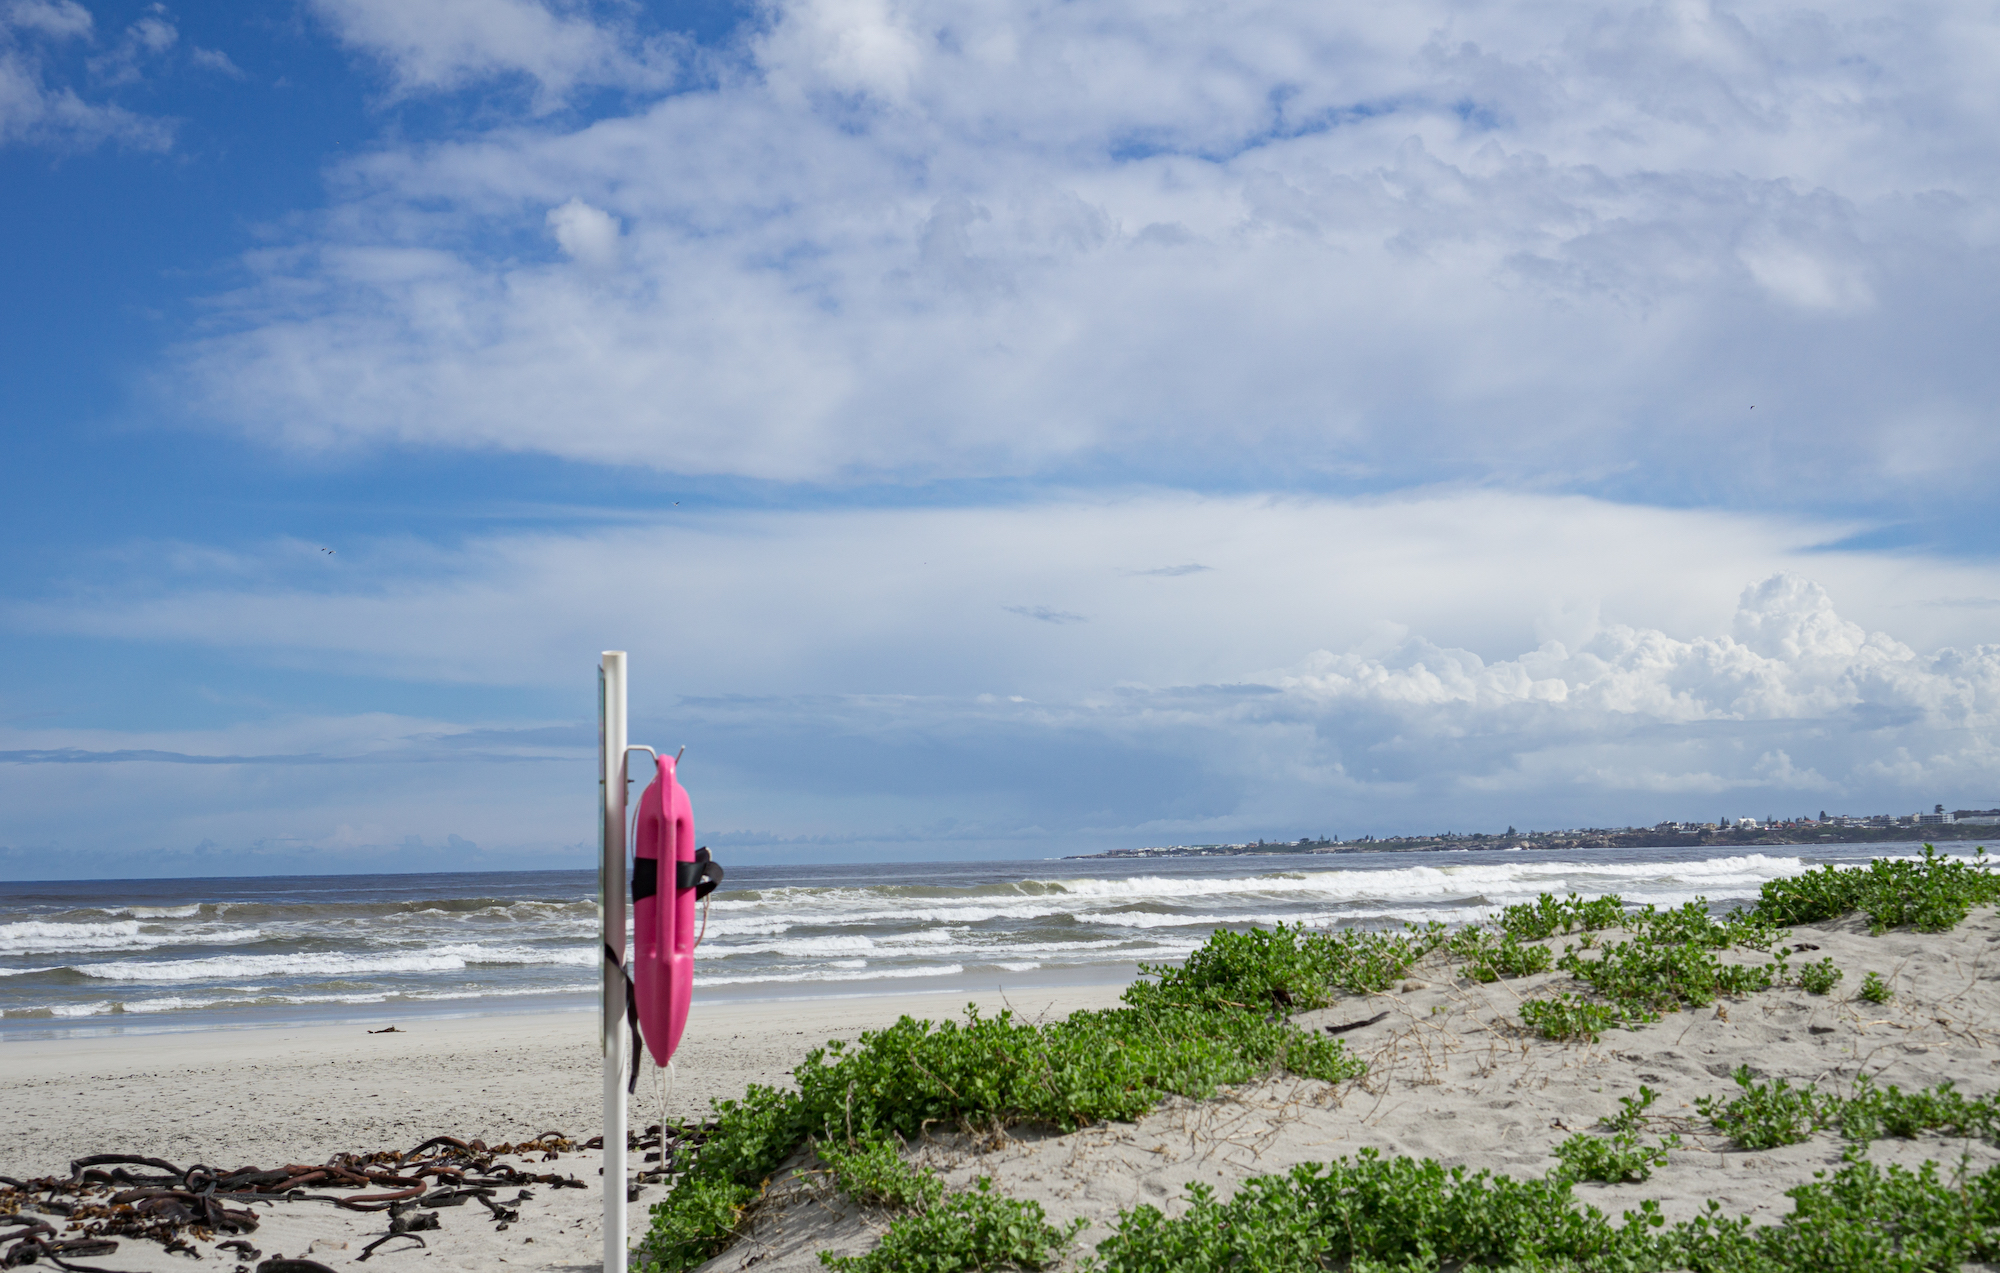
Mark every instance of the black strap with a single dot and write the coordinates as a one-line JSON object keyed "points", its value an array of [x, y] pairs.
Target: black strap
{"points": [[631, 1012], [645, 878], [703, 875]]}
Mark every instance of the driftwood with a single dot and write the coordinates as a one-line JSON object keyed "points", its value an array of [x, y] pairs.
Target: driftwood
{"points": [[1344, 1027]]}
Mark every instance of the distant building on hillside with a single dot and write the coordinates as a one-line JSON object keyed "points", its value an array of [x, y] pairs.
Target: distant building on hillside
{"points": [[1936, 818], [1988, 817]]}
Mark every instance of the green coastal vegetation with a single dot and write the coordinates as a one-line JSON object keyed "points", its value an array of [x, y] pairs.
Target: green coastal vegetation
{"points": [[1222, 1018]]}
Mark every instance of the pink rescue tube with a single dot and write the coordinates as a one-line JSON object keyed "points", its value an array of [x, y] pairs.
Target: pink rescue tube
{"points": [[663, 931]]}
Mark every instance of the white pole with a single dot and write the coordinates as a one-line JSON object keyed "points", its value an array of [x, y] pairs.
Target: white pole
{"points": [[611, 879]]}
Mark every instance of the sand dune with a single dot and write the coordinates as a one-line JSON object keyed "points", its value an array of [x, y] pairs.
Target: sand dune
{"points": [[1452, 1076]]}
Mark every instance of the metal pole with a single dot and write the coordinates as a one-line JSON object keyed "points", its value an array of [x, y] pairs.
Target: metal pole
{"points": [[611, 878]]}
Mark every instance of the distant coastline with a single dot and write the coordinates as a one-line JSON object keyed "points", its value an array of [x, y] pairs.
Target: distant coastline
{"points": [[1804, 834]]}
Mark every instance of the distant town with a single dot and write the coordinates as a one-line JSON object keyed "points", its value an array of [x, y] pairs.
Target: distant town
{"points": [[1939, 824]]}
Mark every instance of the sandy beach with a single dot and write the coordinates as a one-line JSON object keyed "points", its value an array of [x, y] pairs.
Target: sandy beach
{"points": [[272, 1096], [1452, 1076]]}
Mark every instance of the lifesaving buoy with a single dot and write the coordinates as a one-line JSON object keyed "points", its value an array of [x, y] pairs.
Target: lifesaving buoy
{"points": [[668, 875]]}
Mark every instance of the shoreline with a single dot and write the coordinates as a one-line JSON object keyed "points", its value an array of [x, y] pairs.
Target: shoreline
{"points": [[18, 1031], [205, 1094]]}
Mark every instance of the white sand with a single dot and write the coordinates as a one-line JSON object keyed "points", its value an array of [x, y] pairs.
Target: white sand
{"points": [[1452, 1077], [234, 1098]]}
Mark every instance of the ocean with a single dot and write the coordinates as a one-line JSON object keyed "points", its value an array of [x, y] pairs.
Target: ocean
{"points": [[146, 955]]}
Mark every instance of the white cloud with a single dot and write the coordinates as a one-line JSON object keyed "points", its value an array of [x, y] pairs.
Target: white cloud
{"points": [[214, 60], [60, 19], [444, 45], [589, 235], [35, 110], [910, 238], [1372, 664], [151, 37], [931, 600]]}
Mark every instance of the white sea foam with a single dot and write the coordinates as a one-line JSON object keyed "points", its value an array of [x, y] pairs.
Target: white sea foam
{"points": [[813, 948], [309, 964], [1489, 879], [100, 1007], [53, 937], [311, 954], [197, 1003], [753, 927]]}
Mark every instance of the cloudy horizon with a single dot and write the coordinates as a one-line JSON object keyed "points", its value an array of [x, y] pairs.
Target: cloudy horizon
{"points": [[994, 434]]}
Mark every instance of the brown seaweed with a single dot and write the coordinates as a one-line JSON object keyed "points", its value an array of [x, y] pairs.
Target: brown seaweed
{"points": [[110, 1196]]}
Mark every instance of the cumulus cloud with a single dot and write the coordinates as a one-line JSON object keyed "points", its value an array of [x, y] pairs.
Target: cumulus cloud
{"points": [[902, 237], [1796, 708], [1790, 657], [589, 235], [36, 108], [444, 45]]}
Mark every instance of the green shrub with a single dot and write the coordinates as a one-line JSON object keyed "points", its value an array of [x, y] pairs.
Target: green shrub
{"points": [[874, 1174], [1633, 1116], [698, 1218], [1113, 1064], [1180, 1035], [1819, 978], [1876, 990], [1399, 1216], [1288, 967], [1545, 916], [1366, 962], [975, 1229], [1874, 1112], [1373, 1213], [1861, 1219], [1569, 1017], [1489, 958], [1931, 895], [1671, 961], [1767, 1115], [1616, 1160]]}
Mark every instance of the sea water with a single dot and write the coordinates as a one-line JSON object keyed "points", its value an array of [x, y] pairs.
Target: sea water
{"points": [[118, 956]]}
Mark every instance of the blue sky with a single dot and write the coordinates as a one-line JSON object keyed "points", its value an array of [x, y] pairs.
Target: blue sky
{"points": [[995, 433]]}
